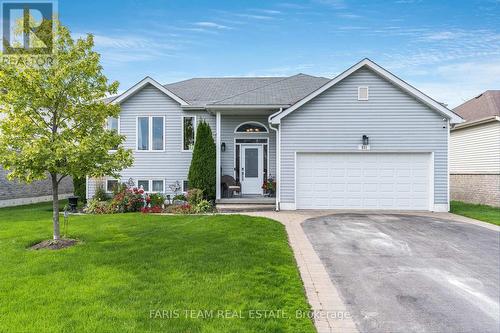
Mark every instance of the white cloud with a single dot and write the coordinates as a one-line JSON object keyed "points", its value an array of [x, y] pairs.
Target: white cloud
{"points": [[338, 4], [206, 24], [257, 17], [267, 11], [116, 50], [456, 83], [349, 15], [443, 35]]}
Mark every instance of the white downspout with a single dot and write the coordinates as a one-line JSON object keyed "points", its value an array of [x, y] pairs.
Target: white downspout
{"points": [[278, 159]]}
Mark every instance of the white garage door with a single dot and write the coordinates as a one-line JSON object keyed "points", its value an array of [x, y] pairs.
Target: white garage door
{"points": [[363, 181]]}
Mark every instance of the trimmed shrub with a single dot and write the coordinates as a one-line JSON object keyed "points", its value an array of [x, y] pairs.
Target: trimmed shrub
{"points": [[79, 188], [202, 169]]}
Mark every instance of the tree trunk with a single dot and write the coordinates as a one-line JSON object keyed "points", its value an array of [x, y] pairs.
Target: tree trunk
{"points": [[55, 206]]}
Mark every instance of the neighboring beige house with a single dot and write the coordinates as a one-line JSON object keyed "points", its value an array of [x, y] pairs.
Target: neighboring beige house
{"points": [[475, 151]]}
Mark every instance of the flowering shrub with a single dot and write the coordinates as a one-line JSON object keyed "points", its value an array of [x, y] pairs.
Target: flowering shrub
{"points": [[128, 200], [155, 200], [153, 209], [194, 196], [96, 206], [204, 206], [269, 185], [180, 209]]}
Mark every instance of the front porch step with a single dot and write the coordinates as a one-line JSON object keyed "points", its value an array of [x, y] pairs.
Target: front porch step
{"points": [[247, 200], [242, 207]]}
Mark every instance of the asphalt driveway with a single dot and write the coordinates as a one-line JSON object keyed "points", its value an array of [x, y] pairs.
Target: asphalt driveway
{"points": [[409, 273]]}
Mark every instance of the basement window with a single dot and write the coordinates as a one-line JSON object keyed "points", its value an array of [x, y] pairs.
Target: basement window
{"points": [[362, 93]]}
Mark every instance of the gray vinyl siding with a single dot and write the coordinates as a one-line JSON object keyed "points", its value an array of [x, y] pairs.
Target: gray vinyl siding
{"points": [[336, 121], [170, 165], [229, 124], [475, 149]]}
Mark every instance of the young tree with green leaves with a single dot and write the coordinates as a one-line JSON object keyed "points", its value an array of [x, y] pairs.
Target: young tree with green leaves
{"points": [[202, 169], [52, 117]]}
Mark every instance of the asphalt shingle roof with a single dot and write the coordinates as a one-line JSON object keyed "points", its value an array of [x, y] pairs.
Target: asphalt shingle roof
{"points": [[285, 91], [246, 90], [485, 105], [201, 91]]}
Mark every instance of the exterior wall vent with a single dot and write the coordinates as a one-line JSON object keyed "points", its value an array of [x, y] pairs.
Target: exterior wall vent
{"points": [[363, 93]]}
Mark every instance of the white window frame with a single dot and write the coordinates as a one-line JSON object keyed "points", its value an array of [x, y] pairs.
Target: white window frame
{"points": [[182, 136], [157, 180], [367, 93], [150, 185], [118, 119], [107, 127], [144, 180], [111, 179], [150, 134], [250, 122]]}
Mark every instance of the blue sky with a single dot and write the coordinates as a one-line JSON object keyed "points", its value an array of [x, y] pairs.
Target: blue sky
{"points": [[448, 49]]}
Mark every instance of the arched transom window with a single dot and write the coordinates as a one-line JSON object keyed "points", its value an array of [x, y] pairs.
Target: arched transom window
{"points": [[251, 127]]}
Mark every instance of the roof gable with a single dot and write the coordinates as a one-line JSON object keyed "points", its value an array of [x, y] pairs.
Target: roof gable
{"points": [[143, 83], [436, 106]]}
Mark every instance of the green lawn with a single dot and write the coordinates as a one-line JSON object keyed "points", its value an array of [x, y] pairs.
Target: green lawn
{"points": [[131, 267], [479, 212]]}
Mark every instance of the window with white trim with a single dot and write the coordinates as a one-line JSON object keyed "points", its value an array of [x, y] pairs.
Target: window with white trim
{"points": [[158, 186], [113, 124], [151, 133], [188, 132], [152, 185], [251, 127], [143, 184], [111, 184], [363, 93]]}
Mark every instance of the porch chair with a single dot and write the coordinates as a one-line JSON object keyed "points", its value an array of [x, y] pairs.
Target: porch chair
{"points": [[229, 186]]}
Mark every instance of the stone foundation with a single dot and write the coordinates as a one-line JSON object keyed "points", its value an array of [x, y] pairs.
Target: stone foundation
{"points": [[479, 189]]}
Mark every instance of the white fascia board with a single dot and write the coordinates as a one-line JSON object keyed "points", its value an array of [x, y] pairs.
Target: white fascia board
{"points": [[138, 86], [454, 118], [476, 122], [245, 106]]}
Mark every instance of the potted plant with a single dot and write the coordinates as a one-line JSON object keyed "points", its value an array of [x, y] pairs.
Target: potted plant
{"points": [[269, 186]]}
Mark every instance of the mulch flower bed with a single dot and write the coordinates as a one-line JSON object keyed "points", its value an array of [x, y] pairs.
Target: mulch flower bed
{"points": [[52, 244]]}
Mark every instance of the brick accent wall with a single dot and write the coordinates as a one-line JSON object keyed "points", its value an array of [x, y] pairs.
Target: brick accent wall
{"points": [[14, 190], [480, 189]]}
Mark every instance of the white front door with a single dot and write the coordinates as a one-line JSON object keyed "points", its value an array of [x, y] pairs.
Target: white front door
{"points": [[252, 169]]}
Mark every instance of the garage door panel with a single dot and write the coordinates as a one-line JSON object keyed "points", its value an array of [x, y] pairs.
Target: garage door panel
{"points": [[363, 181]]}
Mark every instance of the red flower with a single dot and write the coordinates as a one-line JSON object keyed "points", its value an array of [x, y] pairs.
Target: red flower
{"points": [[141, 191]]}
